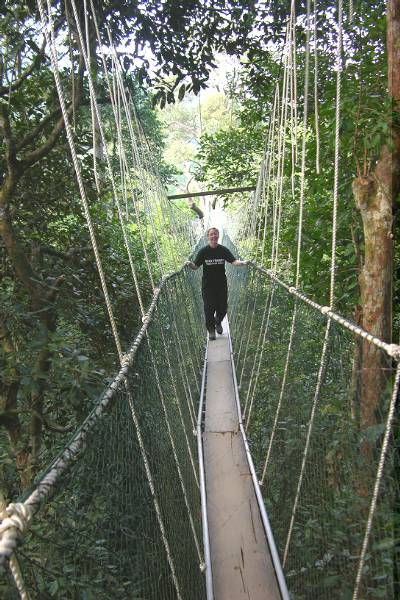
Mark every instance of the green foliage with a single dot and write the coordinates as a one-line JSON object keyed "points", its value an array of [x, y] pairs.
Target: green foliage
{"points": [[232, 156]]}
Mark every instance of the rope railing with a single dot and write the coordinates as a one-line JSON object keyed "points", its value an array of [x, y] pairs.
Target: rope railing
{"points": [[329, 476], [118, 511]]}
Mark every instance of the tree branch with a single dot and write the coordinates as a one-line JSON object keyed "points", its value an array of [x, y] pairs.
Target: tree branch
{"points": [[30, 137], [6, 89], [9, 386], [32, 157]]}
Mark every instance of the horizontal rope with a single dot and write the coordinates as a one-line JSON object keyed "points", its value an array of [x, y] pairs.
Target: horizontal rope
{"points": [[16, 517], [393, 350]]}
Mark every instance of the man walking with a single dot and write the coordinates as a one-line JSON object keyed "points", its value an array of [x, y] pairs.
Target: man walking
{"points": [[214, 287]]}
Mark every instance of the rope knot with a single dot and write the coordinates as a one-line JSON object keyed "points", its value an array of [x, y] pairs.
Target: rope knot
{"points": [[325, 309], [124, 360], [15, 515], [292, 290], [394, 351]]}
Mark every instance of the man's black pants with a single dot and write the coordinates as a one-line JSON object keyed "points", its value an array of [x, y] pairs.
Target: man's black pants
{"points": [[215, 301]]}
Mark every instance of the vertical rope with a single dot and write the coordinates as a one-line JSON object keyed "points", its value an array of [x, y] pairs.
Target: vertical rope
{"points": [[321, 374], [333, 259], [172, 442], [337, 150], [378, 480], [250, 400], [316, 115], [49, 34], [299, 242], [303, 147]]}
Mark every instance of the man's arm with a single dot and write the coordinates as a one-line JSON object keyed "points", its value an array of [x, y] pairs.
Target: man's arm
{"points": [[239, 263]]}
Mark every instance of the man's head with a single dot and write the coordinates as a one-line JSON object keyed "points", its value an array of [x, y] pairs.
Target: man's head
{"points": [[212, 237]]}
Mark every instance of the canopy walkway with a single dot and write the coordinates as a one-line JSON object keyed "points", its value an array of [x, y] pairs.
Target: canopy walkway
{"points": [[228, 470], [120, 507]]}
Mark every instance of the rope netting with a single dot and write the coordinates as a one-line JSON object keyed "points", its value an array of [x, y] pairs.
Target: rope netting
{"points": [[330, 480], [124, 519]]}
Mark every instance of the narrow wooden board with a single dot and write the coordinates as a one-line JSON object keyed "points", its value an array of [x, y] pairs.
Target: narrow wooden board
{"points": [[240, 558]]}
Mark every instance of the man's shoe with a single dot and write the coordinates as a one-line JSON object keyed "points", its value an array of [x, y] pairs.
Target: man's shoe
{"points": [[219, 329], [211, 334]]}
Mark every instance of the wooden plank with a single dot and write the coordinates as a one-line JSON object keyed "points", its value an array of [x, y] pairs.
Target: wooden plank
{"points": [[241, 562], [247, 188]]}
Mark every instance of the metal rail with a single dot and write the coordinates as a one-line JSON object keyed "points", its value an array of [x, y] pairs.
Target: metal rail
{"points": [[264, 516], [203, 493]]}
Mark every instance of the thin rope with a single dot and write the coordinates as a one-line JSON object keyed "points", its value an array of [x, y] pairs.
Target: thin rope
{"points": [[299, 240], [378, 481], [316, 114], [249, 330], [303, 147], [281, 395], [321, 374], [250, 401], [48, 29], [337, 150], [118, 124], [153, 493], [270, 166], [177, 463], [109, 166], [282, 147]]}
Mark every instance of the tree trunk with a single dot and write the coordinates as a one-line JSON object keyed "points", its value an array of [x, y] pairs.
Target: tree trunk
{"points": [[373, 198], [375, 195]]}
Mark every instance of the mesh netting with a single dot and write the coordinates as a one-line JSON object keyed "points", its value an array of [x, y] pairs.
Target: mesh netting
{"points": [[105, 533], [317, 499]]}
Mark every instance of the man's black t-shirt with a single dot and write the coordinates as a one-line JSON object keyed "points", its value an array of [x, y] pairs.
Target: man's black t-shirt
{"points": [[213, 261]]}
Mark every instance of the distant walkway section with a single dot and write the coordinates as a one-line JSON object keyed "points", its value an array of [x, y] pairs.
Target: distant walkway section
{"points": [[240, 557]]}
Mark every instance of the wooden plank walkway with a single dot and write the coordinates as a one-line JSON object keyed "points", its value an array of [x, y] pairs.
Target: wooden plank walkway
{"points": [[240, 557]]}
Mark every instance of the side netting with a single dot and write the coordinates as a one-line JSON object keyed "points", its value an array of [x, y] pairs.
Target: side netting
{"points": [[322, 440], [123, 520]]}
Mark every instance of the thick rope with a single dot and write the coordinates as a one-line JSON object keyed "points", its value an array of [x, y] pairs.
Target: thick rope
{"points": [[392, 350], [9, 518], [21, 514]]}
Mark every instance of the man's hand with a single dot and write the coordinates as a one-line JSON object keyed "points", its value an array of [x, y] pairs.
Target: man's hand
{"points": [[240, 263], [191, 265]]}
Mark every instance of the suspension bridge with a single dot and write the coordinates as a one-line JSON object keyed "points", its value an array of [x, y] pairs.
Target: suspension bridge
{"points": [[226, 469]]}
